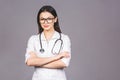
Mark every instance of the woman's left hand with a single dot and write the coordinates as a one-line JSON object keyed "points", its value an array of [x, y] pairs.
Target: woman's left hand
{"points": [[33, 54]]}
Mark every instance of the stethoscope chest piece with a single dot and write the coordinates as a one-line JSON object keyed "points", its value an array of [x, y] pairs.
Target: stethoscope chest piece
{"points": [[42, 50]]}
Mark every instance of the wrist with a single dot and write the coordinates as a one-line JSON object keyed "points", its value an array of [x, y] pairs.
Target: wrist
{"points": [[57, 57]]}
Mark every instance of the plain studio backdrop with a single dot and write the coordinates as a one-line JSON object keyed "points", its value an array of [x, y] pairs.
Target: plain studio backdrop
{"points": [[92, 25]]}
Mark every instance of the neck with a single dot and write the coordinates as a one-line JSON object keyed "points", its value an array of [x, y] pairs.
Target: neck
{"points": [[48, 34]]}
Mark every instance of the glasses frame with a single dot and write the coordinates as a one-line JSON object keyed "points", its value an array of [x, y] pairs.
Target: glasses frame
{"points": [[48, 20]]}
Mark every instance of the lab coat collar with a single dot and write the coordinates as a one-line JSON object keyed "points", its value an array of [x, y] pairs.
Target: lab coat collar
{"points": [[55, 36]]}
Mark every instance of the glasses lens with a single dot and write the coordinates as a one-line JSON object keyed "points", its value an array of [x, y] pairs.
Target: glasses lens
{"points": [[42, 21], [50, 20]]}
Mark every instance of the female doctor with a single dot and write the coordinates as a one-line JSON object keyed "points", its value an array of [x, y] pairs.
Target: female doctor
{"points": [[49, 51]]}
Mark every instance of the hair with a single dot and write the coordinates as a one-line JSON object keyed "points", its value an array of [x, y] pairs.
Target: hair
{"points": [[51, 10]]}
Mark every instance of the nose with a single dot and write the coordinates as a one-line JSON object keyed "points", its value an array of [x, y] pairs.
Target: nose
{"points": [[45, 22]]}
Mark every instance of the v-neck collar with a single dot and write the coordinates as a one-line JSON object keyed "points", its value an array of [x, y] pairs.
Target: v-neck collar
{"points": [[54, 36]]}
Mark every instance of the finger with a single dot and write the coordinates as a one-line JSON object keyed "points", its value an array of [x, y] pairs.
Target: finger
{"points": [[66, 52], [67, 55]]}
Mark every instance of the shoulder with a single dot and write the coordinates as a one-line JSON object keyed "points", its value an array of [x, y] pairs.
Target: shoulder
{"points": [[65, 37], [66, 40], [34, 37]]}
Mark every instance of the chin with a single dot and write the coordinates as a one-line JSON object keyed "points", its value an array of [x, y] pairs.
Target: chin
{"points": [[46, 29]]}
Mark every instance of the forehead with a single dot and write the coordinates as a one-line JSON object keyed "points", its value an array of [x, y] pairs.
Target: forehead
{"points": [[46, 14]]}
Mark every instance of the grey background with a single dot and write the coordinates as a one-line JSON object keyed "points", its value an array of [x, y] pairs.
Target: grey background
{"points": [[92, 25]]}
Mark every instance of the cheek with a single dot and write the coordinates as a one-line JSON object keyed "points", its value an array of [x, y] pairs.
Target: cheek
{"points": [[41, 25], [51, 25]]}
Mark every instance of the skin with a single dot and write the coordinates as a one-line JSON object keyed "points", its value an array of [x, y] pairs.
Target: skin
{"points": [[47, 62]]}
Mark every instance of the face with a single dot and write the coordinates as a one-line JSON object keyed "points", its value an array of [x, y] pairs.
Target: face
{"points": [[47, 21]]}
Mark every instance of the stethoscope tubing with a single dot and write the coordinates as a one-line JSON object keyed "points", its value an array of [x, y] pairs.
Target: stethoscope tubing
{"points": [[42, 50]]}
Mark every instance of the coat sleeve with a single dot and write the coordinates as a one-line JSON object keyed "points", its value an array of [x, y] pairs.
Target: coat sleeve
{"points": [[30, 47], [66, 47]]}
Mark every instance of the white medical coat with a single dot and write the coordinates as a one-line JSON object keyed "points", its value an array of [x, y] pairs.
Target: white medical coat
{"points": [[34, 45]]}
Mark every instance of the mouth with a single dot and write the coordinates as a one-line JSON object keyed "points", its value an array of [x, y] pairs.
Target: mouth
{"points": [[46, 26]]}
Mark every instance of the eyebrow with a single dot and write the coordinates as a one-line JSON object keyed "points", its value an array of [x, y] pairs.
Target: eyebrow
{"points": [[47, 17]]}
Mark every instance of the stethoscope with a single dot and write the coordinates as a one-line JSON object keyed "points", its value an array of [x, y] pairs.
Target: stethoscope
{"points": [[55, 43]]}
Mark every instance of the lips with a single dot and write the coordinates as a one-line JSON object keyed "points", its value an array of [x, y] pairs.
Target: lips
{"points": [[45, 26]]}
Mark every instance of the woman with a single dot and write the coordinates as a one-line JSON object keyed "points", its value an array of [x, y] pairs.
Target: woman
{"points": [[49, 51]]}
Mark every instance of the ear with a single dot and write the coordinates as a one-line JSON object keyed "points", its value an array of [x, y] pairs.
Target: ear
{"points": [[56, 19]]}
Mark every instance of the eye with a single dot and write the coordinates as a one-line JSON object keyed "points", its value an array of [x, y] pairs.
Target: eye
{"points": [[42, 19], [50, 18]]}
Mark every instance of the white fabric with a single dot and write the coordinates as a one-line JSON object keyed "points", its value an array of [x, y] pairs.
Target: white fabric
{"points": [[34, 45]]}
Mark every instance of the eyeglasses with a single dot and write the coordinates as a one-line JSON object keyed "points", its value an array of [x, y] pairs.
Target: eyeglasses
{"points": [[49, 20]]}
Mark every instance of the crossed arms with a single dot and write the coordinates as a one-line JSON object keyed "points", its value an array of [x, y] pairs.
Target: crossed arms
{"points": [[47, 62]]}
